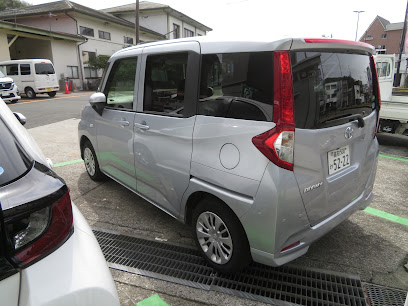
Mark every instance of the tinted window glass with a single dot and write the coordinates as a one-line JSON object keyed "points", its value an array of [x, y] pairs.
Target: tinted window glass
{"points": [[25, 69], [237, 85], [331, 86], [44, 68], [120, 87], [12, 69], [13, 161], [165, 79]]}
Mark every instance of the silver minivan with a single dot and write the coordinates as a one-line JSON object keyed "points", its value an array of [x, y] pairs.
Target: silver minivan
{"points": [[263, 147]]}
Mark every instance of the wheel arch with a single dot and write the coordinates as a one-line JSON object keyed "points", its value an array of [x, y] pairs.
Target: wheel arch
{"points": [[82, 141]]}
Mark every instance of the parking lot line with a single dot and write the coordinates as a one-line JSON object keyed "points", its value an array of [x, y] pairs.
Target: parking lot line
{"points": [[385, 215], [67, 163], [394, 157]]}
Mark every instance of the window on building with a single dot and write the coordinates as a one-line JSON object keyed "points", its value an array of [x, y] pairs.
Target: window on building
{"points": [[176, 31], [381, 47], [72, 72], [188, 33], [128, 40], [87, 55], [369, 37], [90, 73], [86, 31], [165, 79], [25, 69], [104, 35], [384, 35], [120, 87]]}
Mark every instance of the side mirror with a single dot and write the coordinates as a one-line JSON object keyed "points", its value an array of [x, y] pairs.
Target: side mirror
{"points": [[20, 117], [98, 101]]}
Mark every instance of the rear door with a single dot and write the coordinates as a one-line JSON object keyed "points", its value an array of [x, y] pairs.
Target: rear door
{"points": [[164, 122], [336, 112], [45, 76]]}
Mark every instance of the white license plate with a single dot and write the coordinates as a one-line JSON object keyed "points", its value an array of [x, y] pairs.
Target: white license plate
{"points": [[5, 94], [49, 89], [338, 159]]}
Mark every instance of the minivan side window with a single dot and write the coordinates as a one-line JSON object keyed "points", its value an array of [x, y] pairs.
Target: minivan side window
{"points": [[237, 85], [12, 69], [120, 86], [25, 69], [164, 87]]}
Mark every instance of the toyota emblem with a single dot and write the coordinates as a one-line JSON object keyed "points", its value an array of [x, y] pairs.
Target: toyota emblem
{"points": [[349, 132]]}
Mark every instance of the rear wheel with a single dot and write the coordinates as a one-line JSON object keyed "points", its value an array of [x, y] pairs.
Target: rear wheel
{"points": [[52, 93], [91, 162], [30, 93], [220, 236]]}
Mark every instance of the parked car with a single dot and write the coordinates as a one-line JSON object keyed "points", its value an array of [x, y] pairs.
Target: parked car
{"points": [[32, 76], [48, 253], [263, 147], [8, 89]]}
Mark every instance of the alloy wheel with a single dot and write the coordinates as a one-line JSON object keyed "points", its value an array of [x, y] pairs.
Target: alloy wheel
{"points": [[89, 161], [214, 237]]}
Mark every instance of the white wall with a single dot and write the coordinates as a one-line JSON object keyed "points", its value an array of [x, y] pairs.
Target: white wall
{"points": [[4, 50], [58, 22], [65, 54], [155, 21]]}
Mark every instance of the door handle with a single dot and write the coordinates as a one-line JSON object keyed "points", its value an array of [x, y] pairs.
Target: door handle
{"points": [[123, 123], [142, 126]]}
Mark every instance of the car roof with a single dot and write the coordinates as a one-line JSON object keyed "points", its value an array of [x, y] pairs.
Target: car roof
{"points": [[209, 45], [34, 60]]}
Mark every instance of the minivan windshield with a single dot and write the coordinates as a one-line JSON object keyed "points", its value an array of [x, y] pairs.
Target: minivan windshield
{"points": [[14, 162], [329, 86], [44, 68]]}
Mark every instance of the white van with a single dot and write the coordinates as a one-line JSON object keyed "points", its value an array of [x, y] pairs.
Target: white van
{"points": [[32, 76]]}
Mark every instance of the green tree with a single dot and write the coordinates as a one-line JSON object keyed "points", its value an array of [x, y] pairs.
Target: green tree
{"points": [[98, 62], [12, 4]]}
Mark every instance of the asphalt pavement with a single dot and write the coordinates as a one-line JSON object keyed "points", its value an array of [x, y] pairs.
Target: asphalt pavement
{"points": [[372, 243]]}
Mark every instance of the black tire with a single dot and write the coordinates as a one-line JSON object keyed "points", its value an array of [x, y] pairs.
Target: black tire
{"points": [[91, 162], [52, 94], [231, 229], [14, 101], [30, 93]]}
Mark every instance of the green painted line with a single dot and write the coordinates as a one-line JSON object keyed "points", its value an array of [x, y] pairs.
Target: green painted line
{"points": [[154, 300], [393, 157], [68, 163], [385, 215]]}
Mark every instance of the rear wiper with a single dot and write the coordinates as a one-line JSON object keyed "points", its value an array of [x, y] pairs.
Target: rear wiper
{"points": [[359, 118]]}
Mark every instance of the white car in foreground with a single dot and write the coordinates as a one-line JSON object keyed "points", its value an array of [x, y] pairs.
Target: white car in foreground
{"points": [[48, 253]]}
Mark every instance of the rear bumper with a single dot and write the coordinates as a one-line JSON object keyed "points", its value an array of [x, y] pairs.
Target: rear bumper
{"points": [[75, 274], [46, 89], [278, 218]]}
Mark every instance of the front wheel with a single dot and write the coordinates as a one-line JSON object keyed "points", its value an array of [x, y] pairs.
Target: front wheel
{"points": [[52, 94], [220, 236], [91, 162]]}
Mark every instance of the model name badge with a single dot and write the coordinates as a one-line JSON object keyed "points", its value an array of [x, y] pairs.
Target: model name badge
{"points": [[307, 189]]}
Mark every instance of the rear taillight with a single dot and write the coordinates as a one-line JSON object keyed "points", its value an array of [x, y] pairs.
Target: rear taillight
{"points": [[35, 234], [377, 93], [278, 144]]}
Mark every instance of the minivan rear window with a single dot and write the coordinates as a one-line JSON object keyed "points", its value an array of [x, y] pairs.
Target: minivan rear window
{"points": [[328, 86], [44, 68], [14, 162]]}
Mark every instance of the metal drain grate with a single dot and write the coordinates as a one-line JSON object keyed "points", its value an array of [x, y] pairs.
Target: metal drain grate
{"points": [[380, 296], [258, 282]]}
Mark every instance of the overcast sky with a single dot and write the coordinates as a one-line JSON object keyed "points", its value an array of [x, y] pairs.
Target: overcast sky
{"points": [[271, 19]]}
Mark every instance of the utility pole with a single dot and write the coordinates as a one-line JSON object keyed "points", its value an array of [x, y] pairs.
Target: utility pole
{"points": [[358, 18], [137, 22], [403, 35]]}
